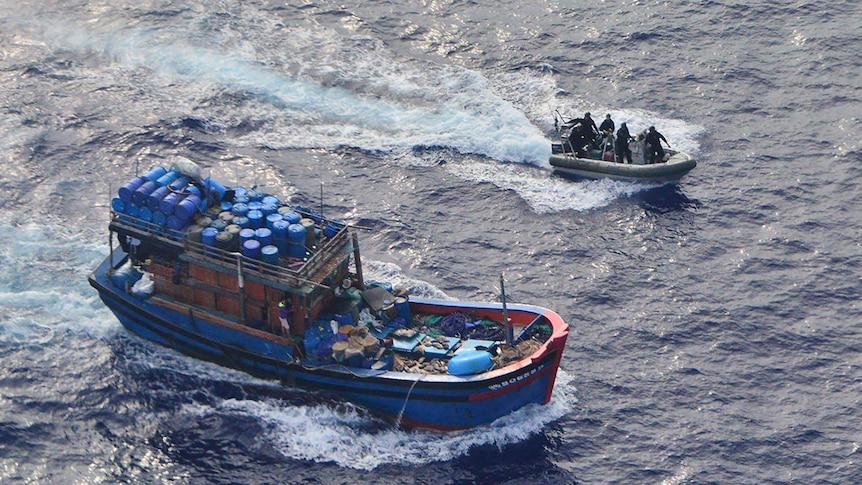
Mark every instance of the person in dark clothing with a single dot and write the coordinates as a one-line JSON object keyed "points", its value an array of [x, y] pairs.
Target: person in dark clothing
{"points": [[591, 131], [607, 126], [577, 140], [655, 152], [622, 144]]}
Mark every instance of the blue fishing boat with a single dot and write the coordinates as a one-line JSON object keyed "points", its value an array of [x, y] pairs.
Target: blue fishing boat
{"points": [[237, 277]]}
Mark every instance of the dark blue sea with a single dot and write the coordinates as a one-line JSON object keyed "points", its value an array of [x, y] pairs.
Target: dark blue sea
{"points": [[716, 328]]}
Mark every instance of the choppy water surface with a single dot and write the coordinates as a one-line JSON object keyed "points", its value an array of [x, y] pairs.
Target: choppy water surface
{"points": [[715, 324]]}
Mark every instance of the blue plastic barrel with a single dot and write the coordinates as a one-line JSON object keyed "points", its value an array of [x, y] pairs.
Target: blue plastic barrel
{"points": [[270, 199], [272, 219], [269, 254], [470, 362], [332, 228], [155, 173], [296, 240], [139, 196], [268, 208], [240, 221], [156, 197], [129, 188], [402, 307], [168, 178], [254, 205], [279, 235], [226, 205], [159, 218], [208, 236], [290, 215], [255, 195], [240, 197], [264, 236], [245, 235], [251, 249], [169, 202], [279, 229], [255, 219], [176, 223], [145, 213], [213, 190], [117, 204], [180, 183], [188, 207], [239, 209], [132, 209], [194, 190]]}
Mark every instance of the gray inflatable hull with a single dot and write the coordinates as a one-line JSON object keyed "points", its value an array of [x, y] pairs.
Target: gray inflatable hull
{"points": [[679, 164]]}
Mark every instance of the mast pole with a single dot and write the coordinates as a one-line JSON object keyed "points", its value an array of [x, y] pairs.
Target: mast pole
{"points": [[510, 332], [357, 262]]}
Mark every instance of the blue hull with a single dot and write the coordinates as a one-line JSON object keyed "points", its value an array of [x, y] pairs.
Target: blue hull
{"points": [[441, 402]]}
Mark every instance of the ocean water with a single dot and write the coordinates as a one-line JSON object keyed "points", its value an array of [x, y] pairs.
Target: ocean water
{"points": [[716, 330]]}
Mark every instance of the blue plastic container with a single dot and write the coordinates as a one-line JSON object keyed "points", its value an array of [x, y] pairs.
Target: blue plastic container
{"points": [[208, 236], [155, 173], [156, 197], [226, 205], [269, 254], [239, 209], [145, 214], [139, 196], [268, 208], [272, 219], [296, 240], [240, 197], [188, 207], [264, 236], [176, 223], [132, 209], [159, 218], [254, 205], [168, 178], [241, 221], [255, 219], [470, 362], [117, 204], [290, 215], [169, 202], [332, 228], [245, 235], [402, 307], [213, 190], [251, 249], [270, 199], [255, 195], [129, 188], [180, 183]]}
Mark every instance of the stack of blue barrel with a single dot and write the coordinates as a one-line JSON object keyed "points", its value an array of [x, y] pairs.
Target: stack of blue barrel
{"points": [[165, 198], [254, 223]]}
